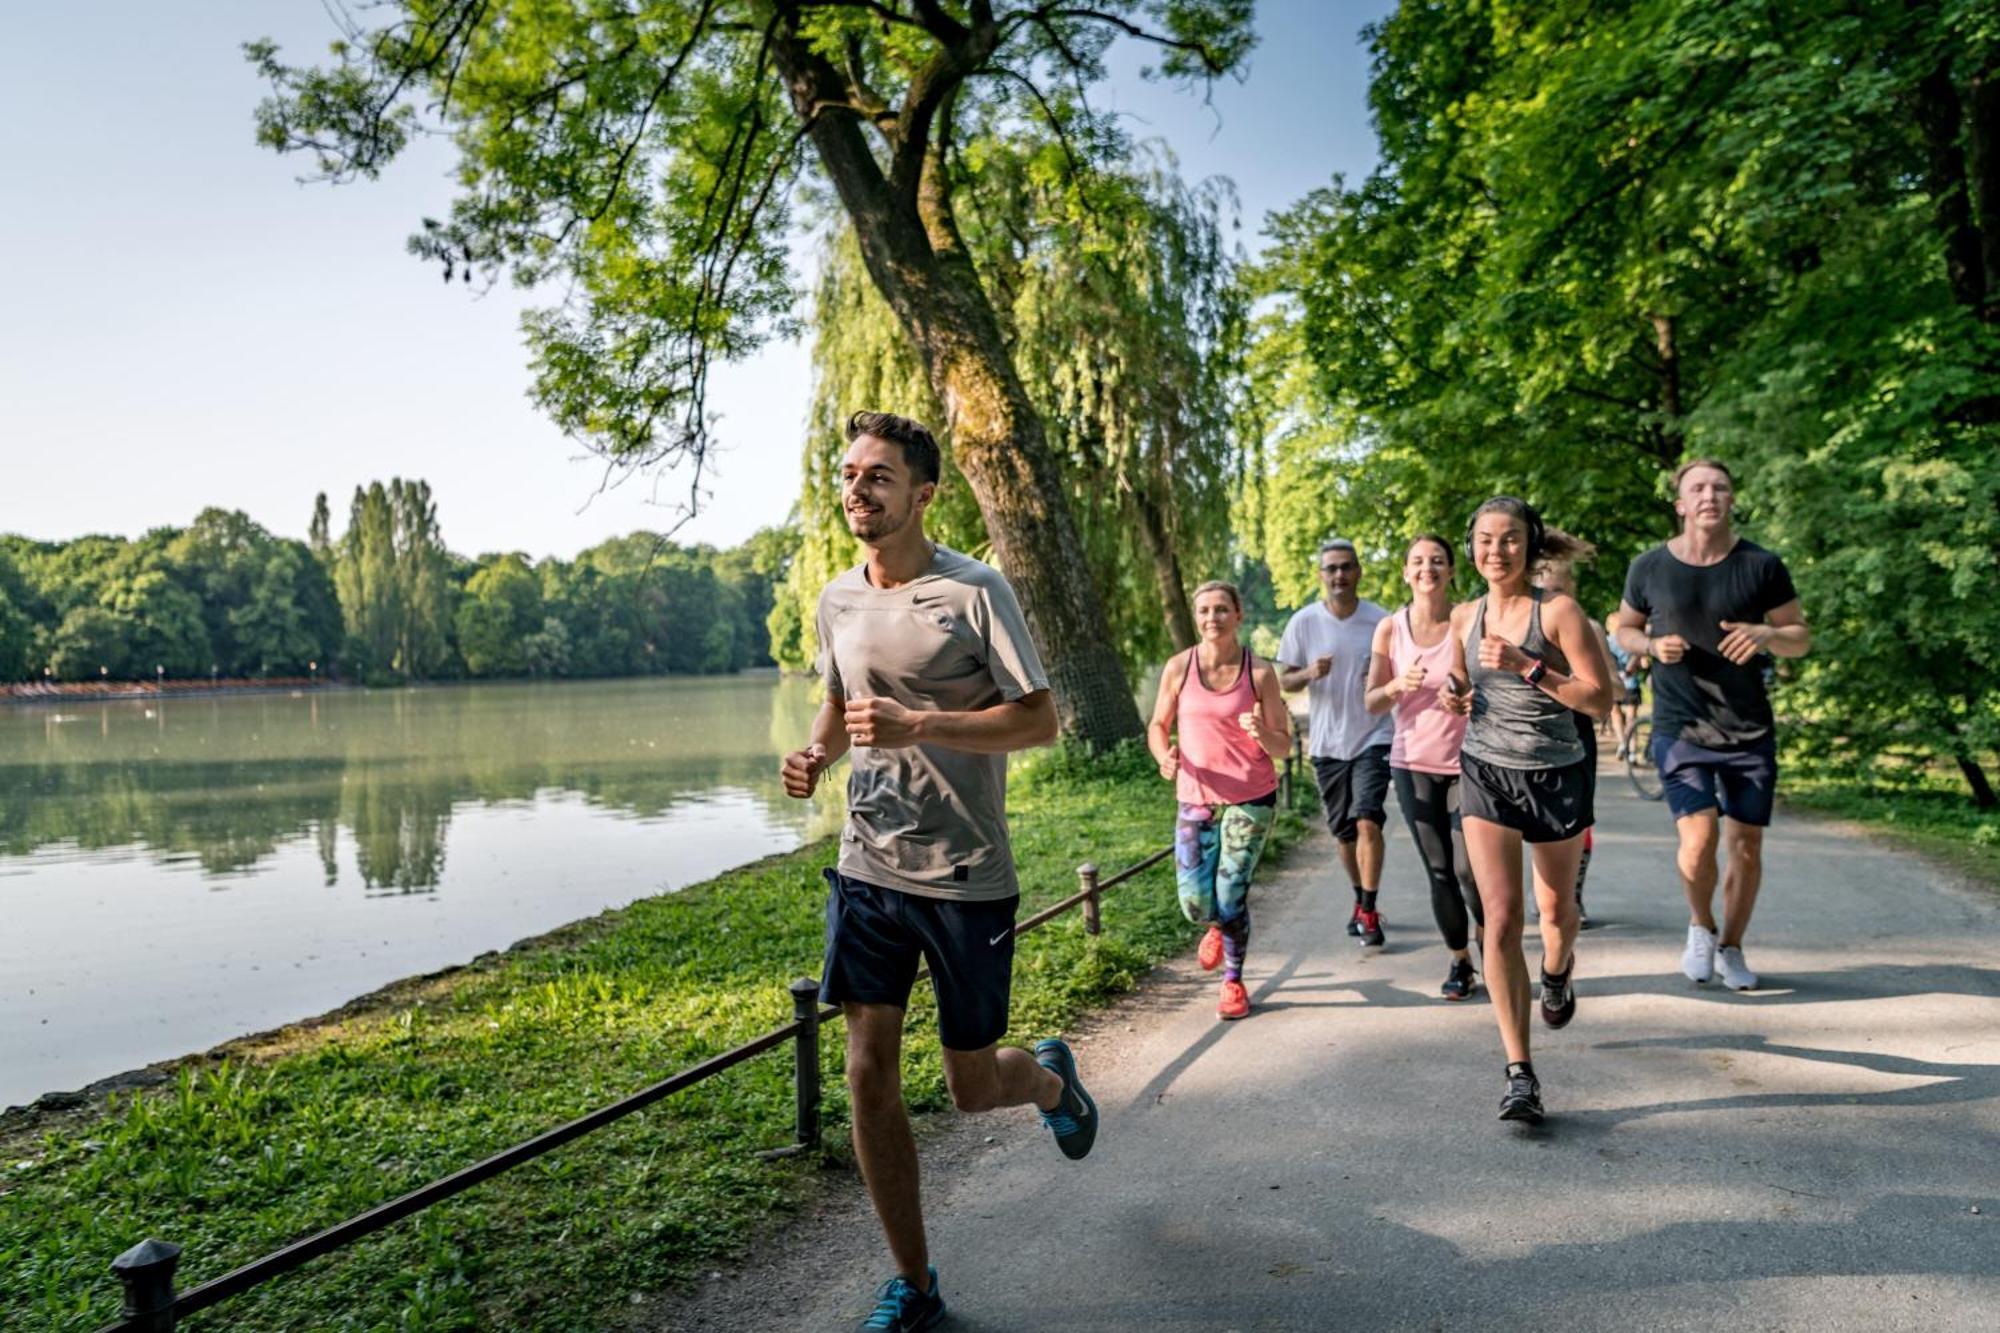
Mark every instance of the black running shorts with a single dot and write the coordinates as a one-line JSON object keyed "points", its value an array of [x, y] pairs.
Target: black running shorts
{"points": [[1351, 790], [1541, 804], [875, 938]]}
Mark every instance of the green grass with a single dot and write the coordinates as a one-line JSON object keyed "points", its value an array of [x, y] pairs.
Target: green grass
{"points": [[1927, 812], [300, 1130]]}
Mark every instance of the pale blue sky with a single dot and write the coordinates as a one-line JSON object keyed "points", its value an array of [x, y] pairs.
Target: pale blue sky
{"points": [[184, 325]]}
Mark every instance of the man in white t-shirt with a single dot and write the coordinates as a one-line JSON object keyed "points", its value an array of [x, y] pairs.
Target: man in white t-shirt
{"points": [[1325, 652]]}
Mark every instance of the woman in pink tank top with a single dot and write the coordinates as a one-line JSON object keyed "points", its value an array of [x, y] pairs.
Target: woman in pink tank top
{"points": [[1217, 724], [1409, 671]]}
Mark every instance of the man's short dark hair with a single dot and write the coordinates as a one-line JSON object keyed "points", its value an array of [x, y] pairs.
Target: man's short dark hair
{"points": [[1681, 472], [920, 448]]}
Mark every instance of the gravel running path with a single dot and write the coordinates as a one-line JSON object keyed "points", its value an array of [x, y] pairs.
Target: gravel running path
{"points": [[1823, 1153]]}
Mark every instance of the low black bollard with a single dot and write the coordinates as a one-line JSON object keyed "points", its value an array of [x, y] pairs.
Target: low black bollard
{"points": [[1086, 876], [805, 1055], [147, 1270]]}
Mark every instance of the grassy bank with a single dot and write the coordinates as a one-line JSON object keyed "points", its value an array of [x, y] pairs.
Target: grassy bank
{"points": [[301, 1129], [1928, 813]]}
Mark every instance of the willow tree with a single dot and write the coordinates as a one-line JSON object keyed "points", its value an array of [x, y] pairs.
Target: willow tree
{"points": [[1116, 292], [642, 154]]}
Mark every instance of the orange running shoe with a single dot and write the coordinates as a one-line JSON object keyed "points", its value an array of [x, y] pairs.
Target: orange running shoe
{"points": [[1210, 953], [1235, 1001]]}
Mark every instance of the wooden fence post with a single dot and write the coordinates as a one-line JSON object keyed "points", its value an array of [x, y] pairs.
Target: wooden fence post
{"points": [[1086, 876]]}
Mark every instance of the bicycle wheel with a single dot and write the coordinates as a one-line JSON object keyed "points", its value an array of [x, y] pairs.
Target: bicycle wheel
{"points": [[1639, 760]]}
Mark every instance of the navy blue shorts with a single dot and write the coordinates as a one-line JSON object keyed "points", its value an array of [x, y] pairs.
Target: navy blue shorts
{"points": [[1741, 783], [875, 938]]}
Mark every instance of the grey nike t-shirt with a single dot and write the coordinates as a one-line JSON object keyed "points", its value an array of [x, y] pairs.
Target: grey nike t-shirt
{"points": [[923, 818]]}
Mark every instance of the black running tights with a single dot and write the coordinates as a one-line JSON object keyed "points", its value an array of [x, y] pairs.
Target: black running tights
{"points": [[1430, 808]]}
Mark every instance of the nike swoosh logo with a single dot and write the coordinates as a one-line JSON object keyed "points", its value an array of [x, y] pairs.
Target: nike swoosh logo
{"points": [[1001, 936]]}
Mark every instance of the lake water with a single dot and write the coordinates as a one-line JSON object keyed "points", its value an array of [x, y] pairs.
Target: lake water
{"points": [[177, 872]]}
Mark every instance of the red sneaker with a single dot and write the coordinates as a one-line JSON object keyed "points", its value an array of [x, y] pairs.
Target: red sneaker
{"points": [[1235, 1001], [1210, 953]]}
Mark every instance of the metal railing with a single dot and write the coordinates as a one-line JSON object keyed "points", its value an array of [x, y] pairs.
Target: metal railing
{"points": [[147, 1269]]}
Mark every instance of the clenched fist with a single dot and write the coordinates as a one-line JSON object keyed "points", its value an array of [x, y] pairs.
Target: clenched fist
{"points": [[801, 770], [881, 722], [1170, 767], [1498, 654]]}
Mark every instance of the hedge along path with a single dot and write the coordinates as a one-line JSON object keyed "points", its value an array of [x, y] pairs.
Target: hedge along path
{"points": [[274, 1137]]}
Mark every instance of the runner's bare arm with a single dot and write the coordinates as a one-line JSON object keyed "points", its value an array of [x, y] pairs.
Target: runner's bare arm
{"points": [[1274, 720], [1383, 681], [1166, 707], [1782, 633], [1632, 637], [1458, 698], [1018, 724], [801, 768], [1587, 687]]}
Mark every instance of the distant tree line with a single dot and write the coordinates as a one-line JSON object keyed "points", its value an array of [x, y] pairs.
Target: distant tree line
{"points": [[383, 601]]}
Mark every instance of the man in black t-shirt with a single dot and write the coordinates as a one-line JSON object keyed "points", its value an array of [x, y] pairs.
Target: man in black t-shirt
{"points": [[1707, 607]]}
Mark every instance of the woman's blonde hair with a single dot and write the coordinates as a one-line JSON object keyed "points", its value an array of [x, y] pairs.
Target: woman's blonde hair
{"points": [[1217, 585]]}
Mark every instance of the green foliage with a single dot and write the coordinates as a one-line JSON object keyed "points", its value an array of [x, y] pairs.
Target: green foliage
{"points": [[391, 570], [385, 601], [238, 1156], [1117, 293], [501, 608], [1603, 239]]}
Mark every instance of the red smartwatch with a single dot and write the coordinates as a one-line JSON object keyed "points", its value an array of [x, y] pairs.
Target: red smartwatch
{"points": [[1533, 675]]}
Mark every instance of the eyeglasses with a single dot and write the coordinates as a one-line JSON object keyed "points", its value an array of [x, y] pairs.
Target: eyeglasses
{"points": [[1345, 567]]}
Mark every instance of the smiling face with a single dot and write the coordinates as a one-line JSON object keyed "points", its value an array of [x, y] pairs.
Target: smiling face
{"points": [[879, 492], [1216, 616], [1707, 498], [1500, 546], [1427, 568]]}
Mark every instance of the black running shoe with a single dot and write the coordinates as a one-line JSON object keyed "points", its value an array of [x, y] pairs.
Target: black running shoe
{"points": [[901, 1308], [1074, 1121], [1558, 997], [1354, 922], [1524, 1096], [1371, 930], [1461, 981]]}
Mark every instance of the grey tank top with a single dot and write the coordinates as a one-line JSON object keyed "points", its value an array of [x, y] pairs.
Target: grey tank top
{"points": [[1515, 724]]}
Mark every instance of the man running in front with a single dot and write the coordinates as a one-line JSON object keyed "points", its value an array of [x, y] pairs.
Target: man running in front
{"points": [[931, 676], [1326, 651], [1705, 607]]}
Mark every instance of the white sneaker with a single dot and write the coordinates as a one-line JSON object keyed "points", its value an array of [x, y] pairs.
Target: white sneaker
{"points": [[1698, 959], [1736, 974]]}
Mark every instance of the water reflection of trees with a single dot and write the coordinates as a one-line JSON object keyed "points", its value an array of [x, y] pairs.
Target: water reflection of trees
{"points": [[227, 783]]}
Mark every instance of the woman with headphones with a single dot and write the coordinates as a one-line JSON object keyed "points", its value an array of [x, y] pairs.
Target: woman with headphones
{"points": [[1531, 662]]}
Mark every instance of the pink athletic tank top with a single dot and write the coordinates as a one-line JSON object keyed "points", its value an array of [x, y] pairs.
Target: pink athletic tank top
{"points": [[1427, 737], [1221, 764]]}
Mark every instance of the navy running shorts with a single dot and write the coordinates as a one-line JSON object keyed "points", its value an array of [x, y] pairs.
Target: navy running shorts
{"points": [[1351, 790], [1743, 784], [875, 938]]}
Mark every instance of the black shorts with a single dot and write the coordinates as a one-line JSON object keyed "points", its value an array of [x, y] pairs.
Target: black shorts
{"points": [[1351, 790], [875, 938], [1541, 804]]}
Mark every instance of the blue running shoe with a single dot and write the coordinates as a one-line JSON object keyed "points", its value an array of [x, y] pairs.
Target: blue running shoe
{"points": [[1074, 1120], [901, 1308]]}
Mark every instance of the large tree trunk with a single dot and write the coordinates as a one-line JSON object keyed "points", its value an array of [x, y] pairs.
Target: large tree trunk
{"points": [[1174, 608], [1671, 438], [1982, 139], [916, 260], [1940, 115]]}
